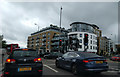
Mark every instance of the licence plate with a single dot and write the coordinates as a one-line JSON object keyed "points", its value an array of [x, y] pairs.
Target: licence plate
{"points": [[24, 69], [99, 62]]}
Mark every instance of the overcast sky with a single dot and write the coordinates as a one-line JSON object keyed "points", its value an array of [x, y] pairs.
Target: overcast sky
{"points": [[18, 18]]}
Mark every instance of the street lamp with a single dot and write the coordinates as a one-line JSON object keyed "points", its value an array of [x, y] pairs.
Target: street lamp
{"points": [[38, 30], [38, 26], [60, 25]]}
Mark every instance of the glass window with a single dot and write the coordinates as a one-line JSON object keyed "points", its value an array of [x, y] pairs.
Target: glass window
{"points": [[80, 40], [80, 35], [80, 46], [24, 53], [91, 36], [70, 55], [90, 47], [65, 55], [91, 41], [48, 33], [48, 37]]}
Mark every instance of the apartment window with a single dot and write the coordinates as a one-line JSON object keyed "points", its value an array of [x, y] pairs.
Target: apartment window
{"points": [[48, 46], [80, 35], [48, 37], [48, 33], [48, 42], [91, 41], [91, 36], [80, 40], [80, 46], [90, 47]]}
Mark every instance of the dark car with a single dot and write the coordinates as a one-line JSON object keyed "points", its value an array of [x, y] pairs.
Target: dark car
{"points": [[53, 55], [44, 53], [115, 58], [23, 62], [78, 61]]}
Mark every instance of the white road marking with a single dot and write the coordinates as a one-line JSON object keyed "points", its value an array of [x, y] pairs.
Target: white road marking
{"points": [[50, 64], [50, 68], [112, 71], [51, 60]]}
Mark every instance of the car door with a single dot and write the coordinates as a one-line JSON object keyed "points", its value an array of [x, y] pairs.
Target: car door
{"points": [[62, 60], [68, 60]]}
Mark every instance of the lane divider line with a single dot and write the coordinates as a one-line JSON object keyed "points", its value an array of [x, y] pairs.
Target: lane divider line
{"points": [[50, 68]]}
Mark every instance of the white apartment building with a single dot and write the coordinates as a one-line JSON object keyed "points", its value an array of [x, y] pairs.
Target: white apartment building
{"points": [[78, 30]]}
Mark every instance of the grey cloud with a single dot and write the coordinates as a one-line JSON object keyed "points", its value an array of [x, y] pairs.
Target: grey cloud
{"points": [[103, 14]]}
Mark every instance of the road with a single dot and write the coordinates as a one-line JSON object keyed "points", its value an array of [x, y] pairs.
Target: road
{"points": [[49, 70]]}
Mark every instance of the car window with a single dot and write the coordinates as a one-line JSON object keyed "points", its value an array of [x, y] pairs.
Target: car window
{"points": [[70, 55], [65, 55], [88, 55], [117, 55], [24, 53], [76, 55]]}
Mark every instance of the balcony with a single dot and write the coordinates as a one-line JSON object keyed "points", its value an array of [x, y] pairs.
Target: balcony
{"points": [[43, 40], [44, 36], [38, 38], [32, 39], [55, 39], [56, 43]]}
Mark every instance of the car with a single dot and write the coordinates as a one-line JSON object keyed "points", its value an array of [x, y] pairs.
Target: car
{"points": [[23, 61], [53, 55], [43, 53], [82, 62], [115, 58]]}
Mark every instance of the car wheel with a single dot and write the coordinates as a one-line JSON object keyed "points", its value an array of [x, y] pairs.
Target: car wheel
{"points": [[74, 69], [57, 64]]}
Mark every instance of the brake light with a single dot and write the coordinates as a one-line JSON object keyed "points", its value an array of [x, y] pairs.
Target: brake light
{"points": [[10, 60], [6, 72], [37, 59], [25, 49], [105, 60], [86, 61]]}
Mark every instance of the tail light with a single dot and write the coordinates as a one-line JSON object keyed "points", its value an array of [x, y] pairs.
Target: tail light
{"points": [[6, 72], [86, 61], [105, 60], [37, 60], [10, 61]]}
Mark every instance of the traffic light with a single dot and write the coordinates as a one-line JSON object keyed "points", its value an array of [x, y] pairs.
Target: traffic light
{"points": [[60, 42], [85, 39], [70, 40], [77, 43]]}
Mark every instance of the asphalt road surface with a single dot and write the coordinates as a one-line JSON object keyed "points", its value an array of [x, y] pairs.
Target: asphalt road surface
{"points": [[50, 70]]}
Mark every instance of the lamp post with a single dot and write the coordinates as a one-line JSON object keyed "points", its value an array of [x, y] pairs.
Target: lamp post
{"points": [[37, 38], [38, 26], [60, 26]]}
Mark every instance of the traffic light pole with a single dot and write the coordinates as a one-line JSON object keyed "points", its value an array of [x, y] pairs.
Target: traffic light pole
{"points": [[60, 27], [85, 42], [85, 48]]}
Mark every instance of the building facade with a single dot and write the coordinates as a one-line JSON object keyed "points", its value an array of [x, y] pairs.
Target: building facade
{"points": [[42, 40], [107, 47], [78, 30]]}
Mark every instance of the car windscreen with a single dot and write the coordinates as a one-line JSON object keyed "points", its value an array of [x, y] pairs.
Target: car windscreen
{"points": [[24, 53], [88, 55], [117, 55]]}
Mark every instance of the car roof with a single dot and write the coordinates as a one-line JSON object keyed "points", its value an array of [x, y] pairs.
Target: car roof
{"points": [[17, 49], [86, 54]]}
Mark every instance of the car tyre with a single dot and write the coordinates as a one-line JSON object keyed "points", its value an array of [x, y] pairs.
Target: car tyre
{"points": [[74, 70], [57, 64]]}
